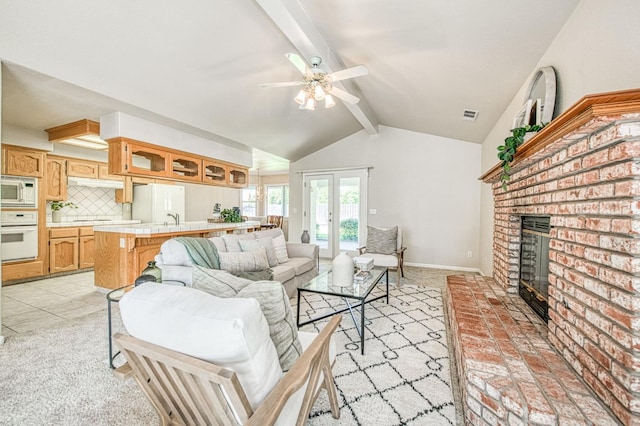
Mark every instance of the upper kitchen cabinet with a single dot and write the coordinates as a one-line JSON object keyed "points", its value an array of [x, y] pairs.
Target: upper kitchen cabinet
{"points": [[18, 161], [103, 173], [55, 179], [238, 177], [137, 158], [214, 172], [82, 168], [186, 167]]}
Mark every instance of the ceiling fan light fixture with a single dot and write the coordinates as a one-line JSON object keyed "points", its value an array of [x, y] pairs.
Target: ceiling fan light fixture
{"points": [[318, 93], [301, 97], [329, 102], [311, 104]]}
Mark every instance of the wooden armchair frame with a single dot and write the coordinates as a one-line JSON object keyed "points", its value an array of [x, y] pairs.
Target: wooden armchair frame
{"points": [[189, 391], [399, 254]]}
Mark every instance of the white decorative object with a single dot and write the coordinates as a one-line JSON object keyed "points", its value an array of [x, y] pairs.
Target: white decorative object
{"points": [[342, 270], [363, 263]]}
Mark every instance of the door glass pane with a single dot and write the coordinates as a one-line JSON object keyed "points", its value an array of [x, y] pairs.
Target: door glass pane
{"points": [[275, 200], [319, 212], [349, 222]]}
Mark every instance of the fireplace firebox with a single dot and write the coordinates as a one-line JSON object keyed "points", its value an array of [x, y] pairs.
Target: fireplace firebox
{"points": [[534, 264]]}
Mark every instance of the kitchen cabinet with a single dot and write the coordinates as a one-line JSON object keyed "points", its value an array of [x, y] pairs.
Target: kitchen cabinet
{"points": [[214, 172], [185, 167], [71, 248], [82, 168], [18, 161], [63, 249], [55, 181], [238, 177], [141, 159], [103, 173]]}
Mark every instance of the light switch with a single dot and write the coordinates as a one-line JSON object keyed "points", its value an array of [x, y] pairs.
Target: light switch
{"points": [[373, 211], [121, 242], [294, 210]]}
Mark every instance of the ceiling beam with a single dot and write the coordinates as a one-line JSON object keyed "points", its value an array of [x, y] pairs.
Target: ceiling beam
{"points": [[296, 25]]}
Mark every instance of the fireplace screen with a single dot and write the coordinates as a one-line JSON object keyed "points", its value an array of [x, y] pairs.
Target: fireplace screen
{"points": [[534, 264]]}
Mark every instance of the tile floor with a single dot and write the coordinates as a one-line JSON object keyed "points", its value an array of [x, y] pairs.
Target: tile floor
{"points": [[39, 303]]}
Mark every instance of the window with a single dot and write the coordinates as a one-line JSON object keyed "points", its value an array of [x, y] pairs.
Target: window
{"points": [[278, 200], [249, 201]]}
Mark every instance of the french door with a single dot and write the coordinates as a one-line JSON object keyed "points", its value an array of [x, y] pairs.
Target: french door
{"points": [[335, 210]]}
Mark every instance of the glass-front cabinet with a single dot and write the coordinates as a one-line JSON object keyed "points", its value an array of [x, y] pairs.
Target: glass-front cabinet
{"points": [[184, 167], [238, 176], [214, 172]]}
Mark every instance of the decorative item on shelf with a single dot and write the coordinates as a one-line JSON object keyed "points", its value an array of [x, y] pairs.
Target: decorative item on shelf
{"points": [[229, 215], [305, 237], [153, 270], [342, 270], [507, 152], [56, 206]]}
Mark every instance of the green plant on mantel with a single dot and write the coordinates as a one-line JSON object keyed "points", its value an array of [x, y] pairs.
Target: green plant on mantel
{"points": [[507, 152]]}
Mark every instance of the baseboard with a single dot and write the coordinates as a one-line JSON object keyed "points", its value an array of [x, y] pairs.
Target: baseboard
{"points": [[451, 268]]}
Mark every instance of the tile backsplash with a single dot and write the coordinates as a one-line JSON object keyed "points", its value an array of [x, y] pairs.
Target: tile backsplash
{"points": [[93, 203]]}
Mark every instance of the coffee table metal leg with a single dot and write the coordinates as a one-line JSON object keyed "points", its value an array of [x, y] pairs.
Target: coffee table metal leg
{"points": [[387, 274], [362, 326], [298, 310]]}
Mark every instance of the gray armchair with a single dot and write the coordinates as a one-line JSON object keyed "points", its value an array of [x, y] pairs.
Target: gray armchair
{"points": [[384, 249]]}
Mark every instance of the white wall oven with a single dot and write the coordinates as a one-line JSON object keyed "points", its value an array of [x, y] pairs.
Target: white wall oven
{"points": [[19, 235], [20, 192]]}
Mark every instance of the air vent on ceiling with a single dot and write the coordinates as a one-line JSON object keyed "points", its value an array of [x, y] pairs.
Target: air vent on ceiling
{"points": [[469, 114]]}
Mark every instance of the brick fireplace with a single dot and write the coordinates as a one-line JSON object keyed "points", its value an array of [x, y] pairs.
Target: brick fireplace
{"points": [[583, 171]]}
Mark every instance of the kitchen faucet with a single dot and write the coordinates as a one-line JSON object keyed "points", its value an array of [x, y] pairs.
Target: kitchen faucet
{"points": [[175, 217]]}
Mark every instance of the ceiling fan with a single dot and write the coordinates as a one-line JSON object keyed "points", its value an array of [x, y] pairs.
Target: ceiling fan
{"points": [[317, 83]]}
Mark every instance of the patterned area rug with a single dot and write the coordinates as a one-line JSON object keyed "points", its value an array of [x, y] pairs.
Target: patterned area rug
{"points": [[404, 376]]}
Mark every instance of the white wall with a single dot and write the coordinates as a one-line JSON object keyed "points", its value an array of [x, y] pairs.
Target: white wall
{"points": [[596, 51], [201, 198], [426, 184]]}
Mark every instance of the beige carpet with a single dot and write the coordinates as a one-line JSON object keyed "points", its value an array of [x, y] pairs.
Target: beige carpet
{"points": [[60, 375]]}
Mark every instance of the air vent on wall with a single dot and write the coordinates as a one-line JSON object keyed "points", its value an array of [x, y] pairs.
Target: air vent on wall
{"points": [[469, 114]]}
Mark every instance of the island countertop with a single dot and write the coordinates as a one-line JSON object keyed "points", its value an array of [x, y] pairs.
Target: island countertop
{"points": [[160, 228], [123, 251]]}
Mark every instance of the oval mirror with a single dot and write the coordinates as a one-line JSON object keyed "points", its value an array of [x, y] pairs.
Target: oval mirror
{"points": [[542, 93]]}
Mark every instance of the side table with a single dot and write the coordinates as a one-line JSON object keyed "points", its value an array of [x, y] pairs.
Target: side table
{"points": [[115, 296]]}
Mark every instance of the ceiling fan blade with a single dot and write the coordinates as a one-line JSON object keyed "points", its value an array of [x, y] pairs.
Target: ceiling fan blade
{"points": [[285, 84], [346, 97], [298, 62], [352, 72]]}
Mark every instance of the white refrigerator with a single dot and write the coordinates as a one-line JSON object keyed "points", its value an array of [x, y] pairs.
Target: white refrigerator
{"points": [[153, 202]]}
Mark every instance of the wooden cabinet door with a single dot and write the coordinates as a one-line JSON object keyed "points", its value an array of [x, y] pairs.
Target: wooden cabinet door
{"points": [[147, 161], [22, 162], [82, 168], [55, 179], [238, 177], [214, 173], [143, 255], [86, 249], [186, 168], [103, 173], [63, 254]]}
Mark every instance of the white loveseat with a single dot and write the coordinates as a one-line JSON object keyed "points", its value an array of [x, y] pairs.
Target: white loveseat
{"points": [[301, 266]]}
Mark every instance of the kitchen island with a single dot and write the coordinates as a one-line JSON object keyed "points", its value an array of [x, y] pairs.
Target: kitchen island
{"points": [[123, 251]]}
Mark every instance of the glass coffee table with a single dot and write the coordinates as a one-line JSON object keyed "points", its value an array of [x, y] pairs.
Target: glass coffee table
{"points": [[355, 296]]}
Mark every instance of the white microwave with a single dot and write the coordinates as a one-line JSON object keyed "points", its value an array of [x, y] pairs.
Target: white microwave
{"points": [[19, 191]]}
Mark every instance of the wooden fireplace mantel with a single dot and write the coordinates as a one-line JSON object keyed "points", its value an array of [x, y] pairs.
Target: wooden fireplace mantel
{"points": [[586, 109]]}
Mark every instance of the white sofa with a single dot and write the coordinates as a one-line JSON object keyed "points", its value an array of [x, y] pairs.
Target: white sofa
{"points": [[301, 267]]}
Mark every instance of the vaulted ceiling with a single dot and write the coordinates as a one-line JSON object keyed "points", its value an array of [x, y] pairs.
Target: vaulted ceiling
{"points": [[196, 65]]}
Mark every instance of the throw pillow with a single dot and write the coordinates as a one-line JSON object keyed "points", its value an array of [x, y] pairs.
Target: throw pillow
{"points": [[267, 243], [217, 282], [382, 241], [280, 247], [244, 261], [231, 241], [276, 308]]}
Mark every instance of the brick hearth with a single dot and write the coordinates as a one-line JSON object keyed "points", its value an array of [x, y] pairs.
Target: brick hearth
{"points": [[583, 170], [510, 373]]}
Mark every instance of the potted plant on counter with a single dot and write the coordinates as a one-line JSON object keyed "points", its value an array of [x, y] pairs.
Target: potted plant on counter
{"points": [[56, 206]]}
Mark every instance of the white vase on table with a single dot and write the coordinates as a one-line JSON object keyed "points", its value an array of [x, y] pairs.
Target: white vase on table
{"points": [[342, 270]]}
